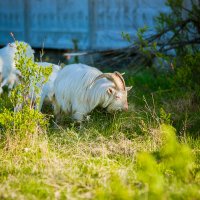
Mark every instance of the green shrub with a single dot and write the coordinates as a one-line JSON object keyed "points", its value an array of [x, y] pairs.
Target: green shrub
{"points": [[20, 115], [150, 175], [174, 165], [187, 73]]}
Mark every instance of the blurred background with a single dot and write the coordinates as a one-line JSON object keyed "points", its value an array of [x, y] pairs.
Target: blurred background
{"points": [[60, 26], [108, 31], [96, 24]]}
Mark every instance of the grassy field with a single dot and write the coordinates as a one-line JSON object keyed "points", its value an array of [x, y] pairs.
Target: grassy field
{"points": [[150, 152]]}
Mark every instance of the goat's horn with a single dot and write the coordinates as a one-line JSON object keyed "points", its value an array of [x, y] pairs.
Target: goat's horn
{"points": [[112, 77], [122, 80], [109, 76]]}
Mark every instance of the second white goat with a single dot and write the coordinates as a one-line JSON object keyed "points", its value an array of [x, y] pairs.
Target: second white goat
{"points": [[9, 75]]}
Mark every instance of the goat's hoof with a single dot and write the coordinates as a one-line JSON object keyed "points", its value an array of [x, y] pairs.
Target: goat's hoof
{"points": [[88, 117]]}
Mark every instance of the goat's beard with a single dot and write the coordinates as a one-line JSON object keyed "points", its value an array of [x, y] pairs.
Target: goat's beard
{"points": [[111, 109]]}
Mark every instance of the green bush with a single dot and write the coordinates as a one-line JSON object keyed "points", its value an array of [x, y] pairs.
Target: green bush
{"points": [[19, 115], [174, 167], [187, 73]]}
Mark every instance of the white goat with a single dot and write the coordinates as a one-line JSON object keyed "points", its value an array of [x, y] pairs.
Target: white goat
{"points": [[47, 88], [79, 88], [8, 73], [44, 91]]}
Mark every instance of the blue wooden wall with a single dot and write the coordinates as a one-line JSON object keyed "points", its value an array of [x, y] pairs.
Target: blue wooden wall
{"points": [[97, 24]]}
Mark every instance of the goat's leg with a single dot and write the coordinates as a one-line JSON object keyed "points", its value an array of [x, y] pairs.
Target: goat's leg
{"points": [[41, 101], [1, 90], [5, 81], [57, 112], [78, 116]]}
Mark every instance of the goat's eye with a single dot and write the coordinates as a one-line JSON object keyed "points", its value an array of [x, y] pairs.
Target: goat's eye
{"points": [[117, 97]]}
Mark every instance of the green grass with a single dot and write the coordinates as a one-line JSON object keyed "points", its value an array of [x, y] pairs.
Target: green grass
{"points": [[103, 159]]}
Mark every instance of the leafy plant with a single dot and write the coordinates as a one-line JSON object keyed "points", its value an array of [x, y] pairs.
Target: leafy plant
{"points": [[174, 162], [22, 117]]}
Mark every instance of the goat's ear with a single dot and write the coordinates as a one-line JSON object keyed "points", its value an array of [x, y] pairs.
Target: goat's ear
{"points": [[111, 90], [128, 88]]}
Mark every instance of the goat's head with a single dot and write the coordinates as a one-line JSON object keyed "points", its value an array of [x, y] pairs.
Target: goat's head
{"points": [[118, 93]]}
